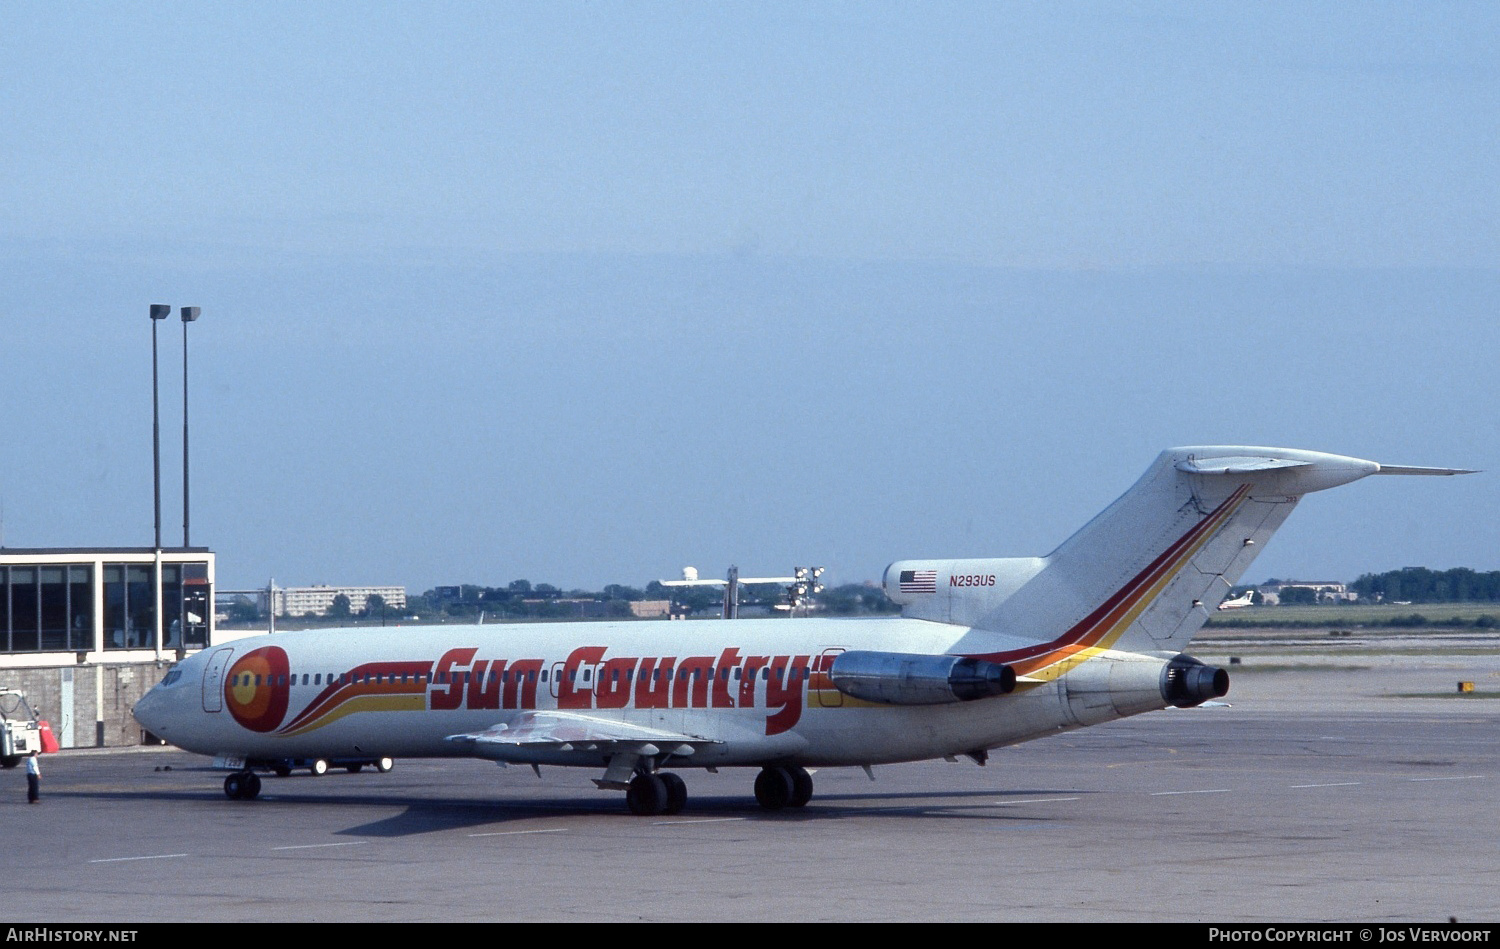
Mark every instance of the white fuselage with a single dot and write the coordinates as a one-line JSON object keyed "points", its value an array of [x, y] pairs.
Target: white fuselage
{"points": [[759, 687]]}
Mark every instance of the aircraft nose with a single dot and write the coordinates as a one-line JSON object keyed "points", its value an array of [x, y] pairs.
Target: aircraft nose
{"points": [[148, 710]]}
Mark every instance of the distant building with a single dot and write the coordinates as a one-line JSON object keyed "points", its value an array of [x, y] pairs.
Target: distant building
{"points": [[300, 601], [651, 609], [1327, 591]]}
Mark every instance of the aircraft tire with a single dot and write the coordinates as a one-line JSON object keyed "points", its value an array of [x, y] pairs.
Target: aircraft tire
{"points": [[10, 761], [774, 788], [384, 765], [252, 786], [646, 796], [319, 767], [354, 768], [802, 787], [234, 786], [677, 794], [282, 770]]}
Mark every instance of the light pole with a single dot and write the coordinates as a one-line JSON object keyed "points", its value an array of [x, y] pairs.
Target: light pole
{"points": [[189, 314], [159, 311]]}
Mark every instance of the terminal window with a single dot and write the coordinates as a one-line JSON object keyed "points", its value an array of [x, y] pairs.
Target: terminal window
{"points": [[46, 607]]}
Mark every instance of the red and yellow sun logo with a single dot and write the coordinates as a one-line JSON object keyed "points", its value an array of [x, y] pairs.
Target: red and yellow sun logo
{"points": [[257, 687]]}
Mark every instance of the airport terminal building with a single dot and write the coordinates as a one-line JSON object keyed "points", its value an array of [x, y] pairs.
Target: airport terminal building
{"points": [[84, 632]]}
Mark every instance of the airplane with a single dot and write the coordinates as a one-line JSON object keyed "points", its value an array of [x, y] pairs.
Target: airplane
{"points": [[986, 653], [1240, 602]]}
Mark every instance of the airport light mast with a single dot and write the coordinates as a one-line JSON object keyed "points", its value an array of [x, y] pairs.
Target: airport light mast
{"points": [[189, 314], [159, 311]]}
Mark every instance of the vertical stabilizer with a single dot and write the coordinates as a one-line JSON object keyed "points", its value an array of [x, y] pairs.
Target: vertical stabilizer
{"points": [[1145, 573]]}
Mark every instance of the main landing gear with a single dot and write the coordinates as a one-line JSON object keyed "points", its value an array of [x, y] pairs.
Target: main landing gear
{"points": [[242, 786], [659, 793], [662, 792], [776, 788]]}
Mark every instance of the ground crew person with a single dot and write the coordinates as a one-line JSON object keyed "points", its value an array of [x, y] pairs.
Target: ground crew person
{"points": [[33, 780]]}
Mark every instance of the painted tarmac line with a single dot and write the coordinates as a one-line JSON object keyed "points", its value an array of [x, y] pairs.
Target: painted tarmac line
{"points": [[342, 843], [1336, 784], [1036, 800], [518, 833], [1204, 791], [155, 856], [704, 820]]}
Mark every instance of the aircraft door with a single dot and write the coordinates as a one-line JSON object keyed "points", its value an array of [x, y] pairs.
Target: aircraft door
{"points": [[213, 680]]}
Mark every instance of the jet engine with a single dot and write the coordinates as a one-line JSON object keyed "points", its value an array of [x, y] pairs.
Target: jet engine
{"points": [[893, 678], [1186, 682]]}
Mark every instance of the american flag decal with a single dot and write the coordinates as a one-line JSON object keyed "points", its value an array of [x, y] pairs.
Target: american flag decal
{"points": [[918, 581]]}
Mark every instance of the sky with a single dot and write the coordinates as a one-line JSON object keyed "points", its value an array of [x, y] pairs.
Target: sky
{"points": [[584, 292]]}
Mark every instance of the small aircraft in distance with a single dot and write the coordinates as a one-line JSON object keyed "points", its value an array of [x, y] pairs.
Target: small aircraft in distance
{"points": [[1240, 602], [986, 653]]}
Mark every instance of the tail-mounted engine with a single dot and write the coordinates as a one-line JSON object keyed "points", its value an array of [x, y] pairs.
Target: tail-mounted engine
{"points": [[1186, 682], [893, 678]]}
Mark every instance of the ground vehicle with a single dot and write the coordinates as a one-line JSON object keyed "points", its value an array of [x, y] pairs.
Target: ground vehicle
{"points": [[21, 731]]}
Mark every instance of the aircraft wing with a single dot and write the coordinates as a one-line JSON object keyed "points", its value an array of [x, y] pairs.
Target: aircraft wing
{"points": [[533, 734], [575, 731]]}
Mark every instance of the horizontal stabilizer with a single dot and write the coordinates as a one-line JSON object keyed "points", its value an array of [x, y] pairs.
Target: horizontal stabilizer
{"points": [[1408, 470]]}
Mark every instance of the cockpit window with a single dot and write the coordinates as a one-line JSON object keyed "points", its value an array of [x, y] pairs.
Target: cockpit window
{"points": [[172, 676]]}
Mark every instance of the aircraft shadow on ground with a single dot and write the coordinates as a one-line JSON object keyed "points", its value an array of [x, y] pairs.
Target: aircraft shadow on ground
{"points": [[428, 811], [428, 816]]}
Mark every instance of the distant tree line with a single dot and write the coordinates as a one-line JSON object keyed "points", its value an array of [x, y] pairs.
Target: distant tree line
{"points": [[1421, 585]]}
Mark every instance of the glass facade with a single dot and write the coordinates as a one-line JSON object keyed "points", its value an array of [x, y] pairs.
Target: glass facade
{"points": [[111, 605]]}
